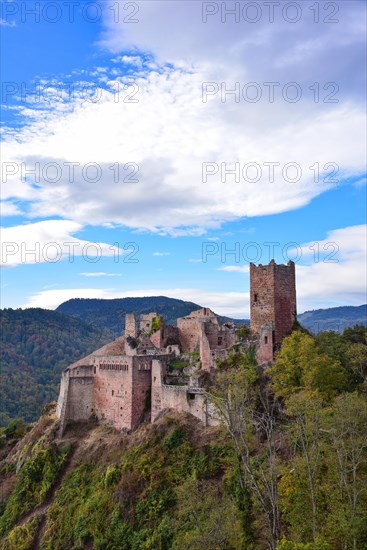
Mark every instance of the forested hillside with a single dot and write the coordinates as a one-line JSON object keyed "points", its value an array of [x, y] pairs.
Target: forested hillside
{"points": [[286, 469], [36, 345]]}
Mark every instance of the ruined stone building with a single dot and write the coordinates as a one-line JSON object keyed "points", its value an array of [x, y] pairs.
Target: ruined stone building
{"points": [[201, 331], [131, 378]]}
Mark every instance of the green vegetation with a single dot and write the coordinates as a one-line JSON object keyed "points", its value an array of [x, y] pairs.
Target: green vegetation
{"points": [[36, 345], [14, 430], [156, 324], [140, 501], [286, 470], [301, 441], [22, 537], [243, 333], [34, 482], [177, 364], [300, 364]]}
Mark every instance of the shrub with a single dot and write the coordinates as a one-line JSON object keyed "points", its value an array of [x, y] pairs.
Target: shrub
{"points": [[174, 439], [16, 429], [34, 481], [156, 324], [112, 475]]}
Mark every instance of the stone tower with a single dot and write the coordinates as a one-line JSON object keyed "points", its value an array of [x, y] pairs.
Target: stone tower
{"points": [[272, 304]]}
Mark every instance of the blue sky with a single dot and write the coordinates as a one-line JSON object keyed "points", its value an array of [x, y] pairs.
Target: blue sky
{"points": [[140, 87]]}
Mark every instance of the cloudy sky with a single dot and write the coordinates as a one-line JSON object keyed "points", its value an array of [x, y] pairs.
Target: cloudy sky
{"points": [[157, 147]]}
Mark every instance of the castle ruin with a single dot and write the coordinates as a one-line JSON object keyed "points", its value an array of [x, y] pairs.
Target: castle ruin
{"points": [[155, 366]]}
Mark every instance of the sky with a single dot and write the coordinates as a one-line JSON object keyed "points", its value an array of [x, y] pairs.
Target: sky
{"points": [[158, 147]]}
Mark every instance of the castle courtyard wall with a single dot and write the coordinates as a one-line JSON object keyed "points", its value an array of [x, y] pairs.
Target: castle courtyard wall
{"points": [[141, 386], [113, 390], [77, 399]]}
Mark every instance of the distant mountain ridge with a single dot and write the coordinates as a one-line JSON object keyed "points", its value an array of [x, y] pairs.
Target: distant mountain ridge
{"points": [[334, 318], [110, 314]]}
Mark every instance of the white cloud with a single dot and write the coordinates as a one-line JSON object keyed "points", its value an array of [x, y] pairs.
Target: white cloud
{"points": [[169, 132], [260, 51], [49, 241], [223, 303], [361, 182], [319, 284], [170, 196], [9, 209], [330, 272], [100, 274], [161, 254], [129, 60], [234, 268], [336, 273]]}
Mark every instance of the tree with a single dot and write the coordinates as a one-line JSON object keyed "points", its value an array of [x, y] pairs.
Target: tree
{"points": [[247, 411], [305, 409], [300, 365], [351, 351], [357, 360], [356, 334], [206, 518], [349, 441]]}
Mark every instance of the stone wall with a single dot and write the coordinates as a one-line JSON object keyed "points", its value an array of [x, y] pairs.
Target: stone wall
{"points": [[61, 408], [159, 337], [189, 331], [262, 308], [141, 386], [113, 390], [178, 398], [76, 400], [219, 336], [265, 350], [158, 373], [146, 321], [205, 351], [285, 300], [64, 388], [130, 325], [201, 331], [80, 402], [205, 314]]}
